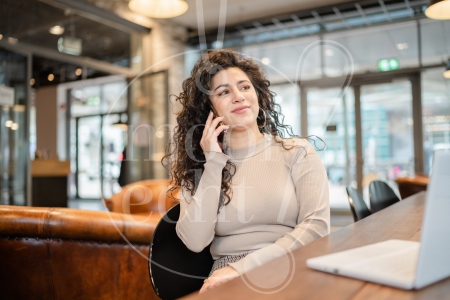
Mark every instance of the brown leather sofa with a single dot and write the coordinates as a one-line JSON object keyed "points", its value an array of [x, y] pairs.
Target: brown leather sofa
{"points": [[143, 200], [61, 253], [408, 186]]}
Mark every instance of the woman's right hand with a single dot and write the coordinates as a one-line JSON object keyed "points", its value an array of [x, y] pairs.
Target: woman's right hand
{"points": [[209, 140]]}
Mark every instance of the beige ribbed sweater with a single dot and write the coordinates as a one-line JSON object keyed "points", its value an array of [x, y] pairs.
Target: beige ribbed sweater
{"points": [[279, 203]]}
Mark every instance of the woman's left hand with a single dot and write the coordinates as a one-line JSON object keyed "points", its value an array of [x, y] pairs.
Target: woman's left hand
{"points": [[218, 277]]}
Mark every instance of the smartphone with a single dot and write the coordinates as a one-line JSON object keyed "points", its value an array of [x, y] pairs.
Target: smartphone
{"points": [[220, 138]]}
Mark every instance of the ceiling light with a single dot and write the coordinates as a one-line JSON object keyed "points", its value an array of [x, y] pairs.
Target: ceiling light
{"points": [[402, 46], [120, 124], [447, 72], [50, 77], [8, 123], [217, 44], [56, 30], [19, 108], [329, 52], [14, 126], [78, 72], [32, 81], [438, 9], [12, 40], [159, 8], [265, 60]]}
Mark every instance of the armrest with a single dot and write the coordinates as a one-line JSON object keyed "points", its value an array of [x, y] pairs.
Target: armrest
{"points": [[66, 223]]}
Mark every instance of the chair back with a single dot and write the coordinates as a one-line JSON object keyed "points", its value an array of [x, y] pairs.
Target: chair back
{"points": [[175, 271], [142, 197], [357, 205], [381, 195]]}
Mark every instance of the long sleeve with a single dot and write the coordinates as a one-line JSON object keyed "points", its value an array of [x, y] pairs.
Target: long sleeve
{"points": [[311, 185], [198, 213]]}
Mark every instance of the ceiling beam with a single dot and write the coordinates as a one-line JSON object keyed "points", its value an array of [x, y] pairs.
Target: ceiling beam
{"points": [[262, 29], [319, 19], [69, 59], [97, 14], [408, 6], [338, 13], [385, 11], [282, 26], [362, 13], [300, 22], [310, 20], [63, 21]]}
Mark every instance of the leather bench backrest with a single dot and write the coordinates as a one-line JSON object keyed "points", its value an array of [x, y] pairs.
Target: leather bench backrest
{"points": [[142, 197], [57, 253]]}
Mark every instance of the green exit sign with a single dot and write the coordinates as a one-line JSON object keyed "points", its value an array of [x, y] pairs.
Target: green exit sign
{"points": [[388, 64]]}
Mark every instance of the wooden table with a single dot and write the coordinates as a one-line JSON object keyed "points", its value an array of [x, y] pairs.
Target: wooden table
{"points": [[400, 221]]}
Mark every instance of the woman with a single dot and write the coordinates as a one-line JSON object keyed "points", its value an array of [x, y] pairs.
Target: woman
{"points": [[255, 196]]}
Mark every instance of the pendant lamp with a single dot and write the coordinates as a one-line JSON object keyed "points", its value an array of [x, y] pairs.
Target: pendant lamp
{"points": [[122, 125], [159, 8], [438, 10]]}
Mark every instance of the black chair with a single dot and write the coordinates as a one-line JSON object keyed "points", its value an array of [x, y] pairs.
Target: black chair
{"points": [[175, 271], [381, 195], [357, 205]]}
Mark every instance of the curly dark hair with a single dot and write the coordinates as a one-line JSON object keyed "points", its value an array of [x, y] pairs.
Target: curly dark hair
{"points": [[184, 157]]}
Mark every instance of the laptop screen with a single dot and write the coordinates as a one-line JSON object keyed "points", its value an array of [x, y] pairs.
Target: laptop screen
{"points": [[434, 258]]}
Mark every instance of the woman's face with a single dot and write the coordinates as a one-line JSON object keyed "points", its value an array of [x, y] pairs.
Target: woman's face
{"points": [[234, 98]]}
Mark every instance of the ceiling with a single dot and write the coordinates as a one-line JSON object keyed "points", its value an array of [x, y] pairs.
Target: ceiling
{"points": [[317, 21], [107, 38], [28, 22], [238, 11]]}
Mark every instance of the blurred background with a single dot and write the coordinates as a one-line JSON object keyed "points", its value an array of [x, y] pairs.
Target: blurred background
{"points": [[81, 80]]}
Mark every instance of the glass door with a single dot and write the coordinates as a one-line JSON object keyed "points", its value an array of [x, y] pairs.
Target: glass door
{"points": [[385, 148], [101, 141], [331, 118], [15, 166], [387, 132], [88, 158], [114, 132], [436, 114], [98, 117]]}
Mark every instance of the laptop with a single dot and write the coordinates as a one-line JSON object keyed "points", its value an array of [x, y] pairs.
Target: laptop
{"points": [[404, 264]]}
